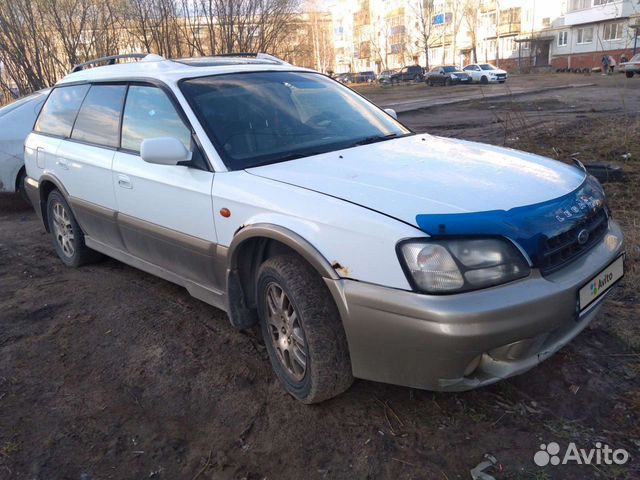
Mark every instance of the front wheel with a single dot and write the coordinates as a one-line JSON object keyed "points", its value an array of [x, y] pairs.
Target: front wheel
{"points": [[628, 74], [484, 80], [447, 82], [68, 238], [302, 330]]}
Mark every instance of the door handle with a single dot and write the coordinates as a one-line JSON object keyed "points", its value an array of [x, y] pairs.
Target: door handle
{"points": [[124, 181], [62, 163]]}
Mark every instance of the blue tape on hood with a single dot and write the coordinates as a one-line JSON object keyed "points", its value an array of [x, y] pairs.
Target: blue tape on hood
{"points": [[529, 226]]}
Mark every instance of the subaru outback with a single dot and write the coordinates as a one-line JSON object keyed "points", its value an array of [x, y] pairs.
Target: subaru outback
{"points": [[360, 248]]}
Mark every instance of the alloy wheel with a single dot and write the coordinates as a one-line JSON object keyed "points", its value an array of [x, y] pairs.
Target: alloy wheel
{"points": [[287, 336], [63, 230]]}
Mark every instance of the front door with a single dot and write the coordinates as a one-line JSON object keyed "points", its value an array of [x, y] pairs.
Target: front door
{"points": [[165, 212]]}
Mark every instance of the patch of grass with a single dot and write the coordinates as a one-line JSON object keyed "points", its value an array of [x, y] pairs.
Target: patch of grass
{"points": [[9, 448]]}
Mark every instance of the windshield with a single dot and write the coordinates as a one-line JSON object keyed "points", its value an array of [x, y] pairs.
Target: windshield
{"points": [[266, 117], [487, 66]]}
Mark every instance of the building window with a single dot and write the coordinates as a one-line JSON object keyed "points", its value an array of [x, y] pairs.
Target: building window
{"points": [[563, 38], [613, 31], [546, 22], [601, 2], [579, 4], [585, 35]]}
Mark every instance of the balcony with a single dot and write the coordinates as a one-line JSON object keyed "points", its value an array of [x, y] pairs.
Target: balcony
{"points": [[598, 13]]}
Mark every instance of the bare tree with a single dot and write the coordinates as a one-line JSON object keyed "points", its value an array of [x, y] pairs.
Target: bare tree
{"points": [[470, 13], [424, 11]]}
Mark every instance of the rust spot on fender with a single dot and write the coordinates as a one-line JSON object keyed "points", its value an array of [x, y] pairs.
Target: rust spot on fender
{"points": [[342, 271]]}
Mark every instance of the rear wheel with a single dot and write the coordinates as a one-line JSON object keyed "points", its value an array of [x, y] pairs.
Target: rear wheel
{"points": [[302, 330], [68, 238]]}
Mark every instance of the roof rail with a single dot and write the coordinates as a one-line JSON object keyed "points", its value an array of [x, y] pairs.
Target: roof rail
{"points": [[258, 55], [110, 60]]}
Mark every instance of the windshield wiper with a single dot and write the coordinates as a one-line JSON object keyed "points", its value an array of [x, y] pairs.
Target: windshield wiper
{"points": [[376, 138]]}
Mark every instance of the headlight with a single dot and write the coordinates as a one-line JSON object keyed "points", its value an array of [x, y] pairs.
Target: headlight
{"points": [[460, 265]]}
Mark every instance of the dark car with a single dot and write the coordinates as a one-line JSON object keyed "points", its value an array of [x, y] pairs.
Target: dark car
{"points": [[345, 77], [412, 73], [385, 76], [446, 75], [364, 77]]}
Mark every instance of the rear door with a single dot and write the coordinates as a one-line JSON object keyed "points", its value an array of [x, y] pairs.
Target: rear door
{"points": [[54, 124], [165, 212], [85, 160]]}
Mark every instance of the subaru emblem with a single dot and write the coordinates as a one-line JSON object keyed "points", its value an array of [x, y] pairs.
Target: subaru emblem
{"points": [[583, 236]]}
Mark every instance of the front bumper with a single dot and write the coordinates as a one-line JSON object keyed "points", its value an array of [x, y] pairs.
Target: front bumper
{"points": [[463, 341]]}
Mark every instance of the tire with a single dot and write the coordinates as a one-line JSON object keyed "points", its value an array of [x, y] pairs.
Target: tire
{"points": [[66, 234], [430, 83], [21, 185], [484, 80], [315, 334], [628, 74], [447, 82]]}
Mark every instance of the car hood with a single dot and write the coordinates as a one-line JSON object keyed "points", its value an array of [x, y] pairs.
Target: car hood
{"points": [[421, 175]]}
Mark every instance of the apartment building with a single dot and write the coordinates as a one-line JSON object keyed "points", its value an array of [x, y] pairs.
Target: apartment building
{"points": [[513, 34], [588, 29]]}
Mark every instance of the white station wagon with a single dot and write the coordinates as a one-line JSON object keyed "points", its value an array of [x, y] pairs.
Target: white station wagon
{"points": [[361, 248]]}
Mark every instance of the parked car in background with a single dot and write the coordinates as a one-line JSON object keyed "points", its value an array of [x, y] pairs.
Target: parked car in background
{"points": [[360, 248], [364, 77], [16, 122], [385, 76], [631, 67], [485, 73], [446, 75], [412, 73], [344, 77]]}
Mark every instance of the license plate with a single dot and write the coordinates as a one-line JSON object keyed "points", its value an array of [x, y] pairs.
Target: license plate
{"points": [[601, 283]]}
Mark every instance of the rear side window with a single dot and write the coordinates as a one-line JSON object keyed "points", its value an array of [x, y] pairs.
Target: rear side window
{"points": [[148, 113], [60, 110], [99, 117]]}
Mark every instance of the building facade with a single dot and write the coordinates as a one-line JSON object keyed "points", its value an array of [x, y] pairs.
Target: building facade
{"points": [[512, 34]]}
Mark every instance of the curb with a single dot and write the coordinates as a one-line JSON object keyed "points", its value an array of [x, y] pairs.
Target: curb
{"points": [[413, 105]]}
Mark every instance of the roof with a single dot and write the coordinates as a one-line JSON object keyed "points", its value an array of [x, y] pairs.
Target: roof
{"points": [[157, 67]]}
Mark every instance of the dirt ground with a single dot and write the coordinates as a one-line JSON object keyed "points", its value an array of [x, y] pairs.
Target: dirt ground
{"points": [[109, 373]]}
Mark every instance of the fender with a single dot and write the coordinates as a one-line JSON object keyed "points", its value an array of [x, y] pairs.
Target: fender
{"points": [[42, 210], [291, 239], [241, 291]]}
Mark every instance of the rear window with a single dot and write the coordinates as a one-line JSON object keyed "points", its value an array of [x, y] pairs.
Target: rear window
{"points": [[99, 116], [60, 110]]}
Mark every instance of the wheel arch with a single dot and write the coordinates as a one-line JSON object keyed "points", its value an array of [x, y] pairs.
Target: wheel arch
{"points": [[251, 246], [47, 184]]}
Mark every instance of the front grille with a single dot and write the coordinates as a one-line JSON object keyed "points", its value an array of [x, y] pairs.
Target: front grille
{"points": [[501, 75], [561, 249]]}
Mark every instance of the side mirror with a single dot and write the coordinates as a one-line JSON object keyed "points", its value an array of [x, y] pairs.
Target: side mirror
{"points": [[164, 151], [392, 112]]}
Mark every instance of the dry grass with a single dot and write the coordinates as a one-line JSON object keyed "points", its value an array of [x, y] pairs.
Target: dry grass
{"points": [[614, 140]]}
